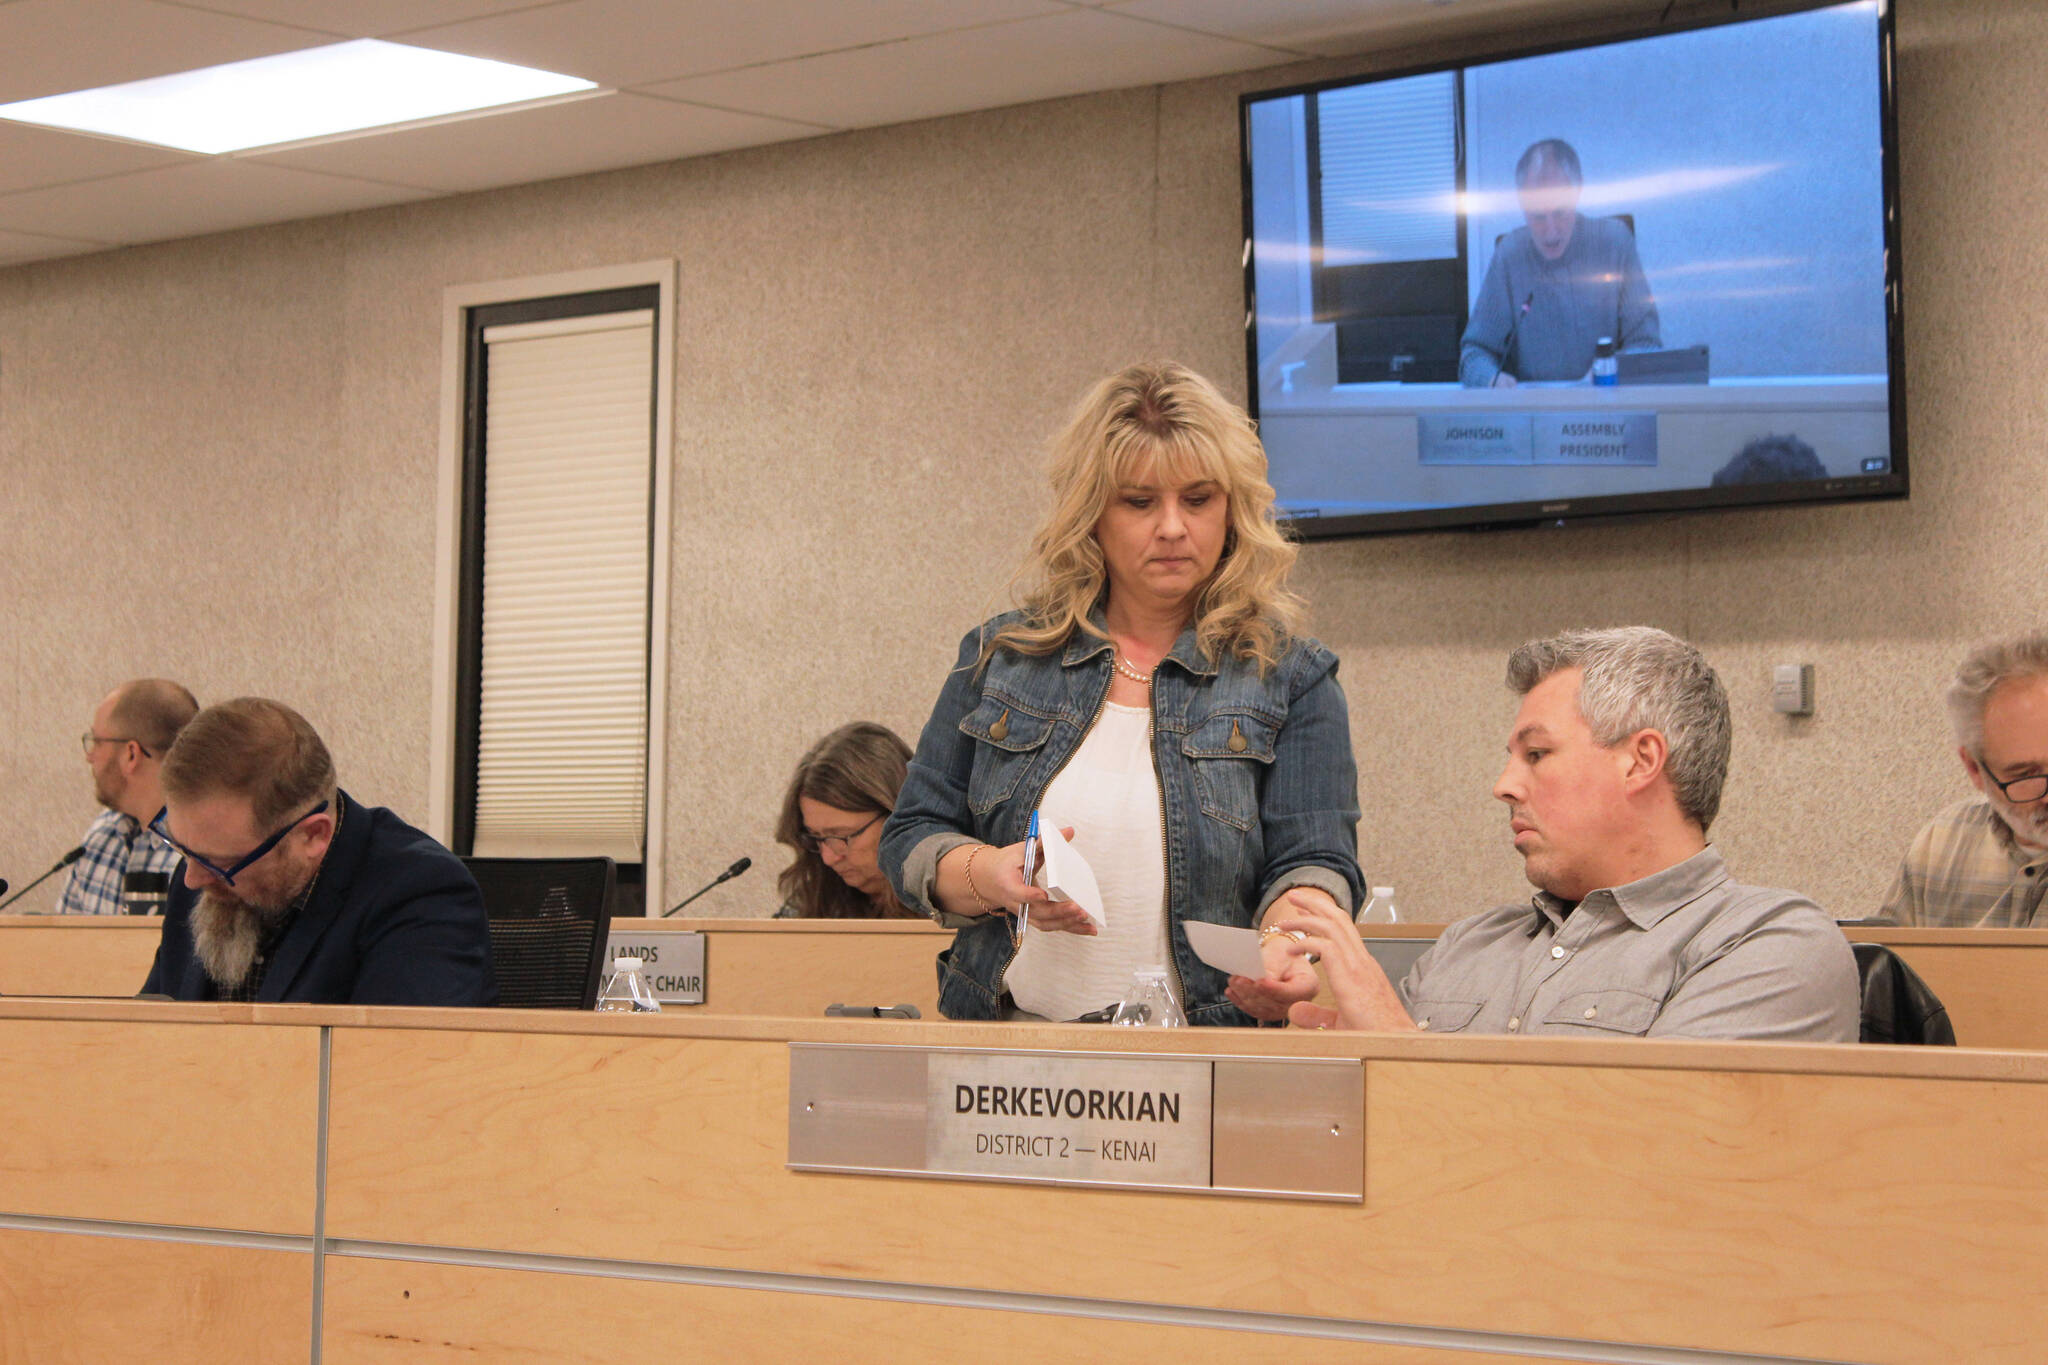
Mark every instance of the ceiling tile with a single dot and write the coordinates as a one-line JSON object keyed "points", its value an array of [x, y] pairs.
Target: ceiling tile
{"points": [[48, 47], [545, 143], [1340, 27], [16, 248], [363, 18], [32, 156], [1034, 59], [184, 201], [633, 42]]}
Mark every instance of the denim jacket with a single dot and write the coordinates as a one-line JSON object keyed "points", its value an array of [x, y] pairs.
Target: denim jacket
{"points": [[1255, 775]]}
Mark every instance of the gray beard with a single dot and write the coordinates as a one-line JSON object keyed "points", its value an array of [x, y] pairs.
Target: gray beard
{"points": [[226, 934], [2030, 830]]}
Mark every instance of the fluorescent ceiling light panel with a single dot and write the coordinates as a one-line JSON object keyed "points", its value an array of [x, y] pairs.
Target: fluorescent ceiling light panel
{"points": [[296, 97]]}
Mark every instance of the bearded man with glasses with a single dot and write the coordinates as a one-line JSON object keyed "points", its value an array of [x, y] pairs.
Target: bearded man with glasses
{"points": [[291, 890], [1983, 863]]}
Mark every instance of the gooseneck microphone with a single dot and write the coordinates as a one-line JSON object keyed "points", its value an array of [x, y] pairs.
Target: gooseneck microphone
{"points": [[67, 860], [741, 866], [1507, 347]]}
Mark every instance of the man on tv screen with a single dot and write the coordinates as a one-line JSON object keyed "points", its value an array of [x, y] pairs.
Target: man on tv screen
{"points": [[1557, 286]]}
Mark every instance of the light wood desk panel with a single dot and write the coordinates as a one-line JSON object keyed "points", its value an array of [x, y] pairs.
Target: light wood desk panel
{"points": [[76, 954], [67, 1299], [401, 1313], [1836, 1216], [797, 967], [1994, 981], [1758, 1198], [173, 1122]]}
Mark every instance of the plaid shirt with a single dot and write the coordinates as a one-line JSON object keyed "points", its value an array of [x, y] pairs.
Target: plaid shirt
{"points": [[115, 845], [1965, 871]]}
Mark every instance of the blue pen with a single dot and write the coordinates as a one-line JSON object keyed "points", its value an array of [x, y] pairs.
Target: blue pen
{"points": [[1030, 869]]}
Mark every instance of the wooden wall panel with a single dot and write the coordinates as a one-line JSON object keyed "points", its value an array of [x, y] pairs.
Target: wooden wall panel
{"points": [[1833, 1216], [406, 1313], [70, 955], [200, 1125], [67, 1299]]}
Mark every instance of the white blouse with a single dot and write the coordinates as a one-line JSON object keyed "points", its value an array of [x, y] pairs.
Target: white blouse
{"points": [[1109, 793]]}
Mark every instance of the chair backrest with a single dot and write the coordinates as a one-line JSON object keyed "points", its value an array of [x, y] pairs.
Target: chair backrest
{"points": [[550, 918], [1898, 1007]]}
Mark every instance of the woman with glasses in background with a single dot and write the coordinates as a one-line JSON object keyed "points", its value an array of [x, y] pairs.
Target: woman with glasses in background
{"points": [[832, 817]]}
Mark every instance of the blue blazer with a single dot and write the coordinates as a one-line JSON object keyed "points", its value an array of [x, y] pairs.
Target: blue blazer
{"points": [[396, 919]]}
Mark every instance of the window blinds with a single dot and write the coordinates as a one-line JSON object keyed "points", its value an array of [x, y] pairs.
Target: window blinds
{"points": [[1389, 156], [568, 471]]}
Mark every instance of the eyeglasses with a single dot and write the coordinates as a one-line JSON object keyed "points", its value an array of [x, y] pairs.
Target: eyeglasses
{"points": [[2020, 790], [226, 874], [811, 841], [88, 741]]}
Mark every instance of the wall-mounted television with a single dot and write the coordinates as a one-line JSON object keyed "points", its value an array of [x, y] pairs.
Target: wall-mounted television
{"points": [[1643, 275]]}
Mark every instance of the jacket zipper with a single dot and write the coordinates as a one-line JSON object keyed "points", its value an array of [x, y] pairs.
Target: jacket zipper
{"points": [[1180, 994], [1016, 939]]}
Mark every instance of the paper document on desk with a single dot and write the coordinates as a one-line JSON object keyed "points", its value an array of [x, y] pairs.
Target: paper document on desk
{"points": [[1064, 873], [1226, 947]]}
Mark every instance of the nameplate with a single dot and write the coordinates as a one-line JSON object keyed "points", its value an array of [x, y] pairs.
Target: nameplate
{"points": [[1071, 1119], [1596, 438], [1464, 438], [1622, 439], [1266, 1126], [673, 962]]}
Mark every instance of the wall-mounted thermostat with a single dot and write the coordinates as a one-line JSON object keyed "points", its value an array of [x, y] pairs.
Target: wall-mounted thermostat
{"points": [[1792, 689]]}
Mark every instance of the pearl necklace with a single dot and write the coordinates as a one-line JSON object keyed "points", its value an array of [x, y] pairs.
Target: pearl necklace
{"points": [[1124, 667]]}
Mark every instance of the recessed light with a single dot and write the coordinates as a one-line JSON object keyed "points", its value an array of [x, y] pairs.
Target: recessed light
{"points": [[299, 96]]}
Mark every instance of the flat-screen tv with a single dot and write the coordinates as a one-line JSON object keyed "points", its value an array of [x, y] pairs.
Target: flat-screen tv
{"points": [[1643, 275]]}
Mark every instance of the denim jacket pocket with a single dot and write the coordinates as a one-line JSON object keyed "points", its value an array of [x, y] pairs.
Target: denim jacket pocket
{"points": [[1443, 1016], [1605, 1012], [1232, 750], [1006, 739]]}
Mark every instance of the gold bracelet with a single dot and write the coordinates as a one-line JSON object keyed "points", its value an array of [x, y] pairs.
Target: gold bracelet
{"points": [[980, 901], [1298, 935]]}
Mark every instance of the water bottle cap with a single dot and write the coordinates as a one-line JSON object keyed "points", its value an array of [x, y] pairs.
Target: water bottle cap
{"points": [[626, 964], [1386, 891]]}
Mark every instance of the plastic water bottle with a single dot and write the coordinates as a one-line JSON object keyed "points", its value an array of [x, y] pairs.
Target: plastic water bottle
{"points": [[1380, 909], [625, 990], [1148, 1002], [1606, 371]]}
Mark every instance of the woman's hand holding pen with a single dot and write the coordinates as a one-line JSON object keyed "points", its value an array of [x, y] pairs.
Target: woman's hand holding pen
{"points": [[999, 874]]}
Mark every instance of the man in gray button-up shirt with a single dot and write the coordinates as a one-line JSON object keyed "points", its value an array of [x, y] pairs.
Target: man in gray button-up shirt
{"points": [[1614, 773]]}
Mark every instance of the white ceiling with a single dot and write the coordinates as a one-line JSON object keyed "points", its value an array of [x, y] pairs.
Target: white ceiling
{"points": [[683, 78]]}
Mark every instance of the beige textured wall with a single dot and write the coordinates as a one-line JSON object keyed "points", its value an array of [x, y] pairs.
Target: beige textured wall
{"points": [[218, 459]]}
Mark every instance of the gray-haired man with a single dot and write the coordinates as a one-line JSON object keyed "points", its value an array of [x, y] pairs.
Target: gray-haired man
{"points": [[1983, 863], [1614, 773]]}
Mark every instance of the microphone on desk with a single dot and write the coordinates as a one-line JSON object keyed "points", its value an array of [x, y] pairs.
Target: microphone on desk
{"points": [[741, 866], [67, 860], [1507, 347]]}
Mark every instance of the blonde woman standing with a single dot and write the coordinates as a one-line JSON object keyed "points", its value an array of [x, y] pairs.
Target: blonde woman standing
{"points": [[1154, 693]]}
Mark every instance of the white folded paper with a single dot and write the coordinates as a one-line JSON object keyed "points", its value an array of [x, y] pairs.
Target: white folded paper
{"points": [[1064, 873], [1226, 948]]}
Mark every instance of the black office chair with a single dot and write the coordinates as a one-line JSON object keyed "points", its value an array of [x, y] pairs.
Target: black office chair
{"points": [[1898, 1007], [549, 921]]}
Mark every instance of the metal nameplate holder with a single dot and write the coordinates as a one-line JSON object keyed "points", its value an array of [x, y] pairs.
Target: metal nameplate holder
{"points": [[674, 961], [1274, 1127]]}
